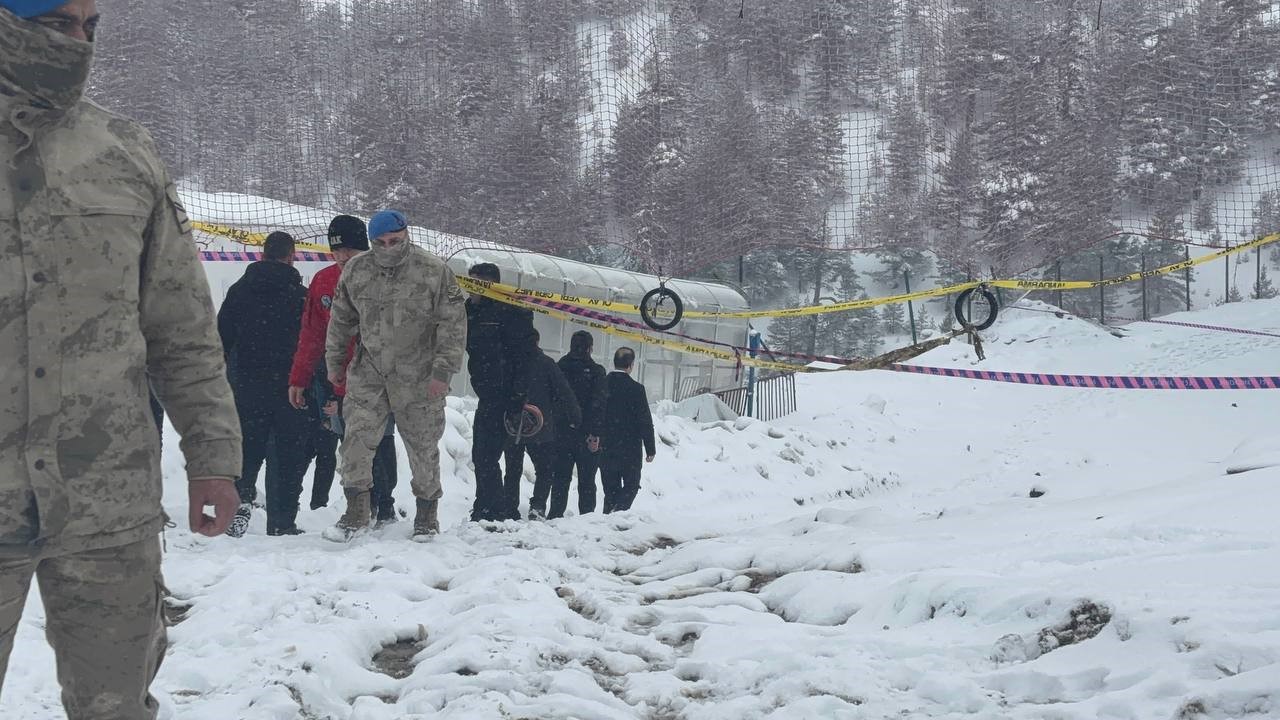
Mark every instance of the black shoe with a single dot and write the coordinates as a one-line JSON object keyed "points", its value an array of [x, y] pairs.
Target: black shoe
{"points": [[537, 514], [317, 504], [294, 530]]}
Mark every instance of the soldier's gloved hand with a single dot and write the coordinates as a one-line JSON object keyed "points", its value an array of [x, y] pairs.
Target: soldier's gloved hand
{"points": [[296, 398], [221, 494], [437, 389]]}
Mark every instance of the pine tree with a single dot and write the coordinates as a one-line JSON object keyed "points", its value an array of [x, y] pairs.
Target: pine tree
{"points": [[1166, 293], [893, 319], [1262, 287]]}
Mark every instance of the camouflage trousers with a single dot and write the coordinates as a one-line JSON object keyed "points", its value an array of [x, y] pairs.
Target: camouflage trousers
{"points": [[370, 401], [103, 618]]}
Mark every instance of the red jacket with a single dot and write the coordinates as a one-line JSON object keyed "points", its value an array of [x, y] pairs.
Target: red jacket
{"points": [[315, 326]]}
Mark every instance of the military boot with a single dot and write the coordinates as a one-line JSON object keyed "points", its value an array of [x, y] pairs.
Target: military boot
{"points": [[355, 519], [426, 523]]}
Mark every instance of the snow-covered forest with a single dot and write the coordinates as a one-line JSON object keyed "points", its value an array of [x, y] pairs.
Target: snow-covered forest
{"points": [[953, 137]]}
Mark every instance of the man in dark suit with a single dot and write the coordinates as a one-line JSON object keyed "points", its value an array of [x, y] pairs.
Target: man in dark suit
{"points": [[627, 434]]}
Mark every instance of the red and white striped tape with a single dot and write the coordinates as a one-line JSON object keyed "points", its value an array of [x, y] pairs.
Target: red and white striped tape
{"points": [[1218, 328], [1112, 382]]}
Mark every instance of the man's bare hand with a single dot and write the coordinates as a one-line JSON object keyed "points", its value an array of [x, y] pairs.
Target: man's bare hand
{"points": [[218, 492], [648, 458], [593, 443], [437, 389], [339, 378], [330, 408], [296, 398]]}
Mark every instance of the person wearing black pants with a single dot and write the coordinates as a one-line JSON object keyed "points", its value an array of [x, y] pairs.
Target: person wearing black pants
{"points": [[626, 442], [581, 447], [382, 503], [500, 341], [324, 440], [258, 323], [550, 393], [280, 437]]}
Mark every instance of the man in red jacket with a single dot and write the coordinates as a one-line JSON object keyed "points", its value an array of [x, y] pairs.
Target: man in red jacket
{"points": [[348, 237]]}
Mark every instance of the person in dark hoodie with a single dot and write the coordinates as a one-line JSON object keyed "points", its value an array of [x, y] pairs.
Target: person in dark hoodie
{"points": [[581, 448], [500, 341], [561, 418], [259, 322], [626, 436]]}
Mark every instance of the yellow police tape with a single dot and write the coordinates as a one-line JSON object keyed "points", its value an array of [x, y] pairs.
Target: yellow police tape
{"points": [[619, 307], [249, 237], [490, 290], [254, 238]]}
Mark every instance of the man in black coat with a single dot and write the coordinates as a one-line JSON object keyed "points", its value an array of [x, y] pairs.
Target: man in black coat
{"points": [[259, 322], [500, 342], [626, 441], [581, 447], [561, 418]]}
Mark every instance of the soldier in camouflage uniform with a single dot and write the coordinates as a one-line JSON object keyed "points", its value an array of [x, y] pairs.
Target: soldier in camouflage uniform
{"points": [[100, 290], [409, 313]]}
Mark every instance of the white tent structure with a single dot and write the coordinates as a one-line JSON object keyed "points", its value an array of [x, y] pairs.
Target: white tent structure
{"points": [[666, 374]]}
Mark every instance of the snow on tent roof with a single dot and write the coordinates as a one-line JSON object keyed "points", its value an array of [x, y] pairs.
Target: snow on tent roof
{"points": [[535, 270]]}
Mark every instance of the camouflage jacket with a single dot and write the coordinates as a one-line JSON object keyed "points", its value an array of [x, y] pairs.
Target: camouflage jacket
{"points": [[100, 290], [411, 319]]}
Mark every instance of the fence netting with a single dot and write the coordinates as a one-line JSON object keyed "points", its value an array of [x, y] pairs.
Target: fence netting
{"points": [[750, 141]]}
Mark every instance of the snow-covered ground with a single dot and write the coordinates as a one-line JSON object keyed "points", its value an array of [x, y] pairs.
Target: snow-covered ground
{"points": [[903, 546]]}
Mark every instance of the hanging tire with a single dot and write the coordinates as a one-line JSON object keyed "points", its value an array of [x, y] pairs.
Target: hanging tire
{"points": [[963, 302], [654, 312]]}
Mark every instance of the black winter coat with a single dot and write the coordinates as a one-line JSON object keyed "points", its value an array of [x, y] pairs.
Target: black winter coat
{"points": [[627, 420], [550, 392], [259, 322], [499, 345], [587, 378]]}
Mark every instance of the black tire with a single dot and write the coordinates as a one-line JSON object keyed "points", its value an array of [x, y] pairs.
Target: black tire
{"points": [[529, 423], [962, 304], [652, 300]]}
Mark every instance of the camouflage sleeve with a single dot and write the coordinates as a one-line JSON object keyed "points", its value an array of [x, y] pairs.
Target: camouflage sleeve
{"points": [[344, 323], [451, 327], [184, 354]]}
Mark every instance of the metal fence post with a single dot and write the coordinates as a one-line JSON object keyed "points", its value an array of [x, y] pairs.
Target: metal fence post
{"points": [[1059, 277], [1102, 291], [753, 344], [1226, 274], [1257, 284], [1187, 274], [1145, 315], [911, 308]]}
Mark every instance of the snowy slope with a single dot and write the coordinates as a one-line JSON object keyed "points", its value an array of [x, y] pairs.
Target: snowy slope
{"points": [[877, 554]]}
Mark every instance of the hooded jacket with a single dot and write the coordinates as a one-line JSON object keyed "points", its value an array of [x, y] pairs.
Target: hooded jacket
{"points": [[500, 342], [587, 378], [100, 289], [259, 322]]}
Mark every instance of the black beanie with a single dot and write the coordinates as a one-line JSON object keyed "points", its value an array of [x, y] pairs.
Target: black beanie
{"points": [[349, 232]]}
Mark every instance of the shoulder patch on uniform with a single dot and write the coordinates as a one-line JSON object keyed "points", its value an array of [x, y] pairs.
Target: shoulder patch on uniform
{"points": [[327, 301], [179, 212]]}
